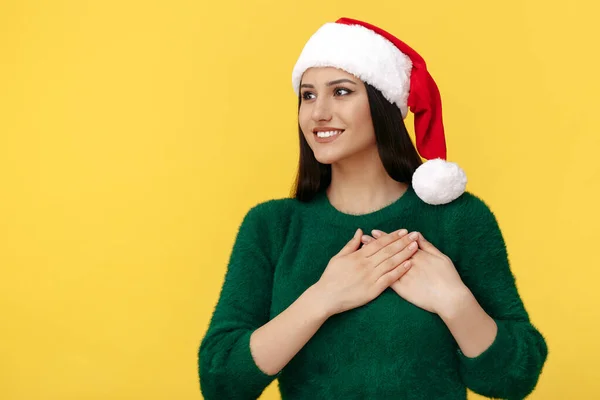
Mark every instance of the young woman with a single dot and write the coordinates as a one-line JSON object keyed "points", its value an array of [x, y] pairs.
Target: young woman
{"points": [[424, 307]]}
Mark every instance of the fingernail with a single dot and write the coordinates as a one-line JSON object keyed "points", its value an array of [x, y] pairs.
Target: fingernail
{"points": [[412, 246], [414, 236], [376, 233], [356, 233], [402, 232], [365, 238]]}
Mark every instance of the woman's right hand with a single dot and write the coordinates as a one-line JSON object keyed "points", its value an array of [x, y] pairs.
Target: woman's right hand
{"points": [[354, 277]]}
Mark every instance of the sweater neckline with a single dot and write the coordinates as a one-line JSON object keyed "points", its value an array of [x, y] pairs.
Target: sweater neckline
{"points": [[328, 212]]}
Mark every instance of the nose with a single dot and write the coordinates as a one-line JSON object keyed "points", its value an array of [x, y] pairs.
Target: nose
{"points": [[321, 110]]}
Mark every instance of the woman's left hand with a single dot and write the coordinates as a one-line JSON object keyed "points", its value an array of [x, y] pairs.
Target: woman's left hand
{"points": [[432, 283]]}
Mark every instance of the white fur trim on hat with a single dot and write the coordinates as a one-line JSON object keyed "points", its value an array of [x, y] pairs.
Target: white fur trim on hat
{"points": [[362, 53], [439, 182]]}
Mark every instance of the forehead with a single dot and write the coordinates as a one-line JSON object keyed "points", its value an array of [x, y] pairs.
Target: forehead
{"points": [[325, 74]]}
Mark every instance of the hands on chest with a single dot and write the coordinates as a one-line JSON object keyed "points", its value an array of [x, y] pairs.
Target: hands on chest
{"points": [[432, 282], [406, 262]]}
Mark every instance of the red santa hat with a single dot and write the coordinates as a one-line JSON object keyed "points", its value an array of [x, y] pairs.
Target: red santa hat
{"points": [[400, 74]]}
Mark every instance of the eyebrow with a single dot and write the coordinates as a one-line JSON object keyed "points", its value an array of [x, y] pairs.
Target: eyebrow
{"points": [[308, 85]]}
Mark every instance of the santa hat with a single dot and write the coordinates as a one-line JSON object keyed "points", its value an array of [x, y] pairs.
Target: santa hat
{"points": [[400, 74]]}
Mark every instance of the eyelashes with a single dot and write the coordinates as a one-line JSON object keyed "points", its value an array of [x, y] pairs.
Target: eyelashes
{"points": [[335, 91]]}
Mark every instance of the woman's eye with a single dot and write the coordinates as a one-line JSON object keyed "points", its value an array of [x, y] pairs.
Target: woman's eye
{"points": [[343, 89], [338, 92]]}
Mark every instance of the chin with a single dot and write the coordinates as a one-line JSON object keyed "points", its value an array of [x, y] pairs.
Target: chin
{"points": [[329, 159], [332, 156]]}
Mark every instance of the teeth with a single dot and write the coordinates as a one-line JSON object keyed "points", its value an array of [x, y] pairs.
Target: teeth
{"points": [[328, 134]]}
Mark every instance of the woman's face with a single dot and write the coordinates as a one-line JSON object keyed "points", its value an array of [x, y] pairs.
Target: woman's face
{"points": [[334, 100]]}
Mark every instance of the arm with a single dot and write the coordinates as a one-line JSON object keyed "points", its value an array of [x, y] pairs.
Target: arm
{"points": [[473, 329], [274, 344], [506, 364], [243, 352]]}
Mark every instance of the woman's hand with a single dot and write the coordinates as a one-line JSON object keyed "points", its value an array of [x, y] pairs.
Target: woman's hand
{"points": [[354, 277], [433, 283]]}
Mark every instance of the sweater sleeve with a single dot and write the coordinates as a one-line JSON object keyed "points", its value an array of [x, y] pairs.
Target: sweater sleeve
{"points": [[510, 367], [226, 367]]}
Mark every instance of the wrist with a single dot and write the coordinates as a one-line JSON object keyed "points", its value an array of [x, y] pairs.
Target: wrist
{"points": [[319, 302], [455, 302]]}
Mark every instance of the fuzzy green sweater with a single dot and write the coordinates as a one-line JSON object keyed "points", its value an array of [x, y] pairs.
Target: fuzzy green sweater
{"points": [[388, 348]]}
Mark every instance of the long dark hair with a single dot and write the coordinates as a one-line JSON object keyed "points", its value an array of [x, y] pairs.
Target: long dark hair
{"points": [[396, 150]]}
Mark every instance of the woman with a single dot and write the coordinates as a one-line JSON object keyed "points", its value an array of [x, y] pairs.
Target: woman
{"points": [[425, 307]]}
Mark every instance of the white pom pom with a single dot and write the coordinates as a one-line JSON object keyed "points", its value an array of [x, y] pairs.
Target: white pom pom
{"points": [[439, 182]]}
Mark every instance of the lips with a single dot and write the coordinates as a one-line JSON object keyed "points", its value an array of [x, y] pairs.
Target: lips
{"points": [[328, 139], [326, 129]]}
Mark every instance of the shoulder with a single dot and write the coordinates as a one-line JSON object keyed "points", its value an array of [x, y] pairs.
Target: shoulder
{"points": [[270, 223], [467, 216], [469, 230], [470, 220], [272, 212], [469, 208]]}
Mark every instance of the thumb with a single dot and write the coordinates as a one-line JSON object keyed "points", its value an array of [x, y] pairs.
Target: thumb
{"points": [[352, 245], [427, 246]]}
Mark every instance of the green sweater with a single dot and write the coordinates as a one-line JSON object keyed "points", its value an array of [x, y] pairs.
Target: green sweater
{"points": [[388, 348]]}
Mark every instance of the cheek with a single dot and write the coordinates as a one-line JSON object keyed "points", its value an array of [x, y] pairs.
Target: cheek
{"points": [[304, 122], [363, 115], [303, 119], [360, 116]]}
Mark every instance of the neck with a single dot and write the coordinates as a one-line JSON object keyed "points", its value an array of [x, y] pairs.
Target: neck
{"points": [[362, 186]]}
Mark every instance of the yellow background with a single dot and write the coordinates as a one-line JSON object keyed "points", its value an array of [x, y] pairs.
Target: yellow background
{"points": [[134, 136]]}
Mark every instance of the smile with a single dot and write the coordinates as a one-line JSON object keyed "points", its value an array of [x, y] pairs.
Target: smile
{"points": [[329, 136]]}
